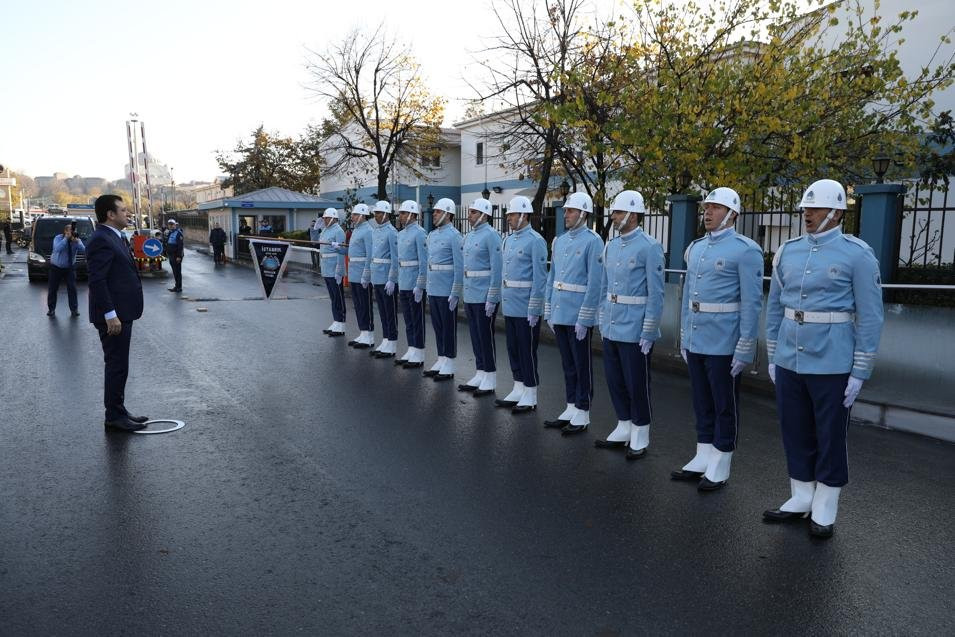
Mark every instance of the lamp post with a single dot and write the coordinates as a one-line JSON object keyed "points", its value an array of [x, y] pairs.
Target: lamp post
{"points": [[880, 164], [430, 201], [564, 189], [486, 193], [685, 180]]}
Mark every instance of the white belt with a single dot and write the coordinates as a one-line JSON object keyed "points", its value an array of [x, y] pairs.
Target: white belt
{"points": [[717, 308], [329, 256], [407, 264], [356, 259], [517, 284], [477, 273], [442, 268], [381, 261], [627, 300], [818, 317], [569, 287]]}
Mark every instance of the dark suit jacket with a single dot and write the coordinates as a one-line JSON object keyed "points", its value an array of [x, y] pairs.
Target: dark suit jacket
{"points": [[113, 279]]}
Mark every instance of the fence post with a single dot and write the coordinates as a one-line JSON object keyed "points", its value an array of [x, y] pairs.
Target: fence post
{"points": [[880, 220], [684, 214], [559, 228]]}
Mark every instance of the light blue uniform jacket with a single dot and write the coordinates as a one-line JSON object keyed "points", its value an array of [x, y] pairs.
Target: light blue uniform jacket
{"points": [[445, 249], [413, 253], [633, 265], [524, 273], [576, 263], [483, 264]]}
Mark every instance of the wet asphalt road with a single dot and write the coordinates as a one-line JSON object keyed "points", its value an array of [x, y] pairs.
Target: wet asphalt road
{"points": [[317, 491]]}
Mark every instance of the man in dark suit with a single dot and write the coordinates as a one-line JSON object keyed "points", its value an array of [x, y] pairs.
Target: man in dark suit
{"points": [[116, 300]]}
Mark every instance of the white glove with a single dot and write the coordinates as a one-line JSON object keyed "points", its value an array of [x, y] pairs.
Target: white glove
{"points": [[452, 302], [532, 319], [335, 244], [338, 279], [489, 308], [736, 368], [645, 346], [683, 354], [390, 288], [580, 331], [365, 284], [772, 372], [853, 387], [418, 294]]}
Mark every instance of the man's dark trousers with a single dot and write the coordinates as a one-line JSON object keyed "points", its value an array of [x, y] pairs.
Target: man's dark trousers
{"points": [[218, 252], [56, 275], [364, 309], [336, 294], [445, 324], [388, 311], [522, 342], [577, 360], [116, 357], [482, 330], [176, 271], [414, 318]]}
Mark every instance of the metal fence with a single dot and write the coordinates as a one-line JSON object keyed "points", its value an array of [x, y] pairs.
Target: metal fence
{"points": [[922, 240]]}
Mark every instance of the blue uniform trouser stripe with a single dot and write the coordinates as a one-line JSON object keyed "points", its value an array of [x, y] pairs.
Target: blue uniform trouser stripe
{"points": [[575, 356], [482, 336], [364, 312], [628, 379], [522, 342], [445, 324], [336, 293], [715, 397], [814, 425], [388, 311], [414, 318]]}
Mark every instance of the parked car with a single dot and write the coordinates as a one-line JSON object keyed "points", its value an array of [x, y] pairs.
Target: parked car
{"points": [[41, 244]]}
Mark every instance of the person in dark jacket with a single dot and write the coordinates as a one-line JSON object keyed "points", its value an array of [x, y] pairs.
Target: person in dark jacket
{"points": [[8, 236], [174, 250], [115, 301], [217, 239]]}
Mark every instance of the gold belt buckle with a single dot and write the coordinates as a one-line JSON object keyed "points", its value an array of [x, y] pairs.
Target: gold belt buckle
{"points": [[695, 305], [799, 316], [613, 298], [505, 282], [560, 286]]}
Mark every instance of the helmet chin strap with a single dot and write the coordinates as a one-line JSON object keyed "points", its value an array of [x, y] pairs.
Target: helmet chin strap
{"points": [[825, 222], [581, 220], [624, 222], [724, 222], [441, 220]]}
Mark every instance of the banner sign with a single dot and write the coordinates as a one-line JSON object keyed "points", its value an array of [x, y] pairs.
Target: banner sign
{"points": [[270, 258]]}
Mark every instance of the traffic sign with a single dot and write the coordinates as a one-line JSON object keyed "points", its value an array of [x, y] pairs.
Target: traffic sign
{"points": [[152, 247]]}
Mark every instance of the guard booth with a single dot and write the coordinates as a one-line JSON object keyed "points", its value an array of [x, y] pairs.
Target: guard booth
{"points": [[269, 211]]}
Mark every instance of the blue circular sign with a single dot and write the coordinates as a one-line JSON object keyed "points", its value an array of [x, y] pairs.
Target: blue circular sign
{"points": [[152, 247]]}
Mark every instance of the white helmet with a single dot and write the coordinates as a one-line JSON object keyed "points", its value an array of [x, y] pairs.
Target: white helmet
{"points": [[825, 193], [360, 209], [445, 205], [409, 205], [520, 204], [724, 197], [481, 205], [580, 201], [330, 213], [627, 201], [383, 206], [172, 221]]}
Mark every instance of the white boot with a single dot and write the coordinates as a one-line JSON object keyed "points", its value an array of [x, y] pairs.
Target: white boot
{"points": [[447, 369], [338, 327], [516, 393], [718, 468], [332, 328], [381, 345], [476, 379], [489, 382], [639, 437], [581, 418], [568, 413], [416, 355], [528, 398], [699, 462], [438, 364], [621, 433], [825, 504], [388, 347], [368, 338], [404, 357], [802, 497]]}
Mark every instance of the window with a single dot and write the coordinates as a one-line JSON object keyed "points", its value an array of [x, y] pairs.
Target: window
{"points": [[431, 159], [479, 154]]}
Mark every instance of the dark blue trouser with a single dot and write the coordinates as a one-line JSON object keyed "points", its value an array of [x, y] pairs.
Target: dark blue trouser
{"points": [[388, 311], [577, 360], [445, 324], [336, 293], [522, 342], [364, 311], [715, 397], [814, 425], [414, 318], [482, 336], [628, 379], [116, 359], [61, 274]]}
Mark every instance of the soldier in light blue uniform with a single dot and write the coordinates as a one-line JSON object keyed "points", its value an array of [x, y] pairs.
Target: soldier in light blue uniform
{"points": [[445, 287], [360, 248], [632, 293], [570, 307], [384, 278], [482, 293], [722, 299], [332, 257], [412, 281], [823, 323], [524, 278]]}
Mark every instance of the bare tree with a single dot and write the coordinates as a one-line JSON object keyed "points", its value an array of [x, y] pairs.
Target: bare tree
{"points": [[382, 117]]}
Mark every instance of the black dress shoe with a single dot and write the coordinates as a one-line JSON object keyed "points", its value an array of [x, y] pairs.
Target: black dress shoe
{"points": [[708, 485], [51, 313], [466, 387], [500, 402], [74, 313], [174, 289], [610, 444], [352, 343], [137, 419], [336, 333], [570, 430], [523, 409], [430, 373], [361, 345], [326, 331], [384, 355], [777, 515], [636, 454], [556, 424], [483, 392], [124, 424], [438, 377], [415, 365], [688, 476], [400, 361], [818, 530]]}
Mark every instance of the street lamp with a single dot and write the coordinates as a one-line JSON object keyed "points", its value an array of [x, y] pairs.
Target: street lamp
{"points": [[486, 193], [430, 201], [564, 189], [880, 164]]}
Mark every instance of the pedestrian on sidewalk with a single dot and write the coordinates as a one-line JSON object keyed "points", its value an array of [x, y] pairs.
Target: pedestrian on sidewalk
{"points": [[66, 247], [175, 248], [217, 240]]}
